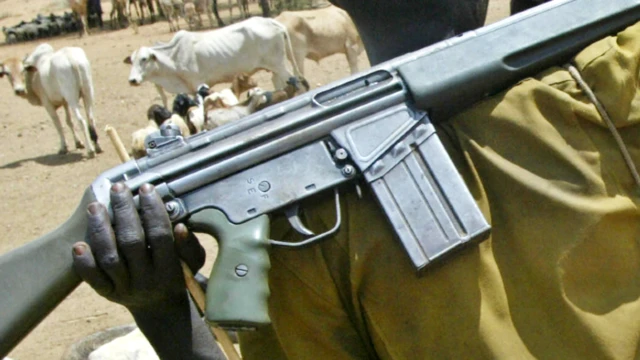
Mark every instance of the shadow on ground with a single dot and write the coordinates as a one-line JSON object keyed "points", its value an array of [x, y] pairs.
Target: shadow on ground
{"points": [[48, 160]]}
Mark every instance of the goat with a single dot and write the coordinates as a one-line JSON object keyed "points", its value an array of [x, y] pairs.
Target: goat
{"points": [[273, 97], [217, 114], [156, 116], [184, 106], [241, 83]]}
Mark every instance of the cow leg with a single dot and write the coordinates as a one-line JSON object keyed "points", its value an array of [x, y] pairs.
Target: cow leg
{"points": [[299, 55], [162, 95], [78, 142], [75, 108], [56, 122], [241, 8], [207, 8], [84, 22], [169, 16], [152, 10], [216, 14], [351, 51], [141, 16], [280, 77], [111, 14], [88, 107], [230, 11], [176, 17]]}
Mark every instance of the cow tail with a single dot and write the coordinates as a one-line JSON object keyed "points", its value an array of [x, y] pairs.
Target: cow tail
{"points": [[84, 82], [289, 49]]}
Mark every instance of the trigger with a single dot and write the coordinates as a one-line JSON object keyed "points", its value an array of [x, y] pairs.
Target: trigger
{"points": [[292, 213]]}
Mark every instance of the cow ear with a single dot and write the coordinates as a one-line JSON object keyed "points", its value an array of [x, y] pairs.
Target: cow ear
{"points": [[127, 60], [31, 68], [152, 56]]}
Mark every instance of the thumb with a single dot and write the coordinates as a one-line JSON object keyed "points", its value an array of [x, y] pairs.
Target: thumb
{"points": [[189, 248]]}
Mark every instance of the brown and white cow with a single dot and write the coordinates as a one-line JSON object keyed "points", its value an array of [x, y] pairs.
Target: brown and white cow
{"points": [[55, 79], [316, 34]]}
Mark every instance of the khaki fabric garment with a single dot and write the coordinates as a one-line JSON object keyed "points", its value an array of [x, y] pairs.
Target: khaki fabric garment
{"points": [[558, 279]]}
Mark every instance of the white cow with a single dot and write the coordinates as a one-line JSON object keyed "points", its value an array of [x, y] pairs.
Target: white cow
{"points": [[54, 79], [193, 58], [316, 34]]}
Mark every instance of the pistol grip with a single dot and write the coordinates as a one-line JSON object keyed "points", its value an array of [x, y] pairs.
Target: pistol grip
{"points": [[238, 289]]}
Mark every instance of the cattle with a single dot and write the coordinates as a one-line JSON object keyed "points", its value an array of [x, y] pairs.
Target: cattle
{"points": [[191, 15], [243, 6], [55, 79], [172, 10], [193, 10], [140, 6], [212, 57], [119, 15], [316, 34], [79, 9]]}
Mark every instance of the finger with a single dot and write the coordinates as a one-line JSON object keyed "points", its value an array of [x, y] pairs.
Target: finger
{"points": [[102, 241], [157, 226], [189, 248], [85, 266], [130, 236]]}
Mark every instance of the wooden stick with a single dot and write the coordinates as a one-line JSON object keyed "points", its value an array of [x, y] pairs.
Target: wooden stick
{"points": [[117, 143], [199, 298], [192, 285]]}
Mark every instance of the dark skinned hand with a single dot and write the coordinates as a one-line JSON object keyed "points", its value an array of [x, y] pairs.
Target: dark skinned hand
{"points": [[135, 261]]}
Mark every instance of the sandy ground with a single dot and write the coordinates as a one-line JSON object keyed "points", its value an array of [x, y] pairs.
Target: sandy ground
{"points": [[39, 189]]}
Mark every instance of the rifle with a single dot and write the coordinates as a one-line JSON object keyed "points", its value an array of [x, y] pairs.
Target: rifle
{"points": [[375, 127]]}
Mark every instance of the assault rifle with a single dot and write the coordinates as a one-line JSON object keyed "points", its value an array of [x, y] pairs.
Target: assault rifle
{"points": [[375, 127]]}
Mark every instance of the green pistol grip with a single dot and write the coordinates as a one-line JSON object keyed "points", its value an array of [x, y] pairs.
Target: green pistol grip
{"points": [[238, 288]]}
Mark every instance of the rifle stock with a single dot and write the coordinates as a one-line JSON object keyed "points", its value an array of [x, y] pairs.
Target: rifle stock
{"points": [[440, 79], [38, 276]]}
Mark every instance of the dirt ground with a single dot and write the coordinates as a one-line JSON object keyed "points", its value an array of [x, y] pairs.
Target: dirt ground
{"points": [[39, 189]]}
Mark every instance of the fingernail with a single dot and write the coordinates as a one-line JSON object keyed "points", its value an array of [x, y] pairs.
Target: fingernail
{"points": [[180, 232], [93, 208], [79, 249], [146, 188], [117, 187]]}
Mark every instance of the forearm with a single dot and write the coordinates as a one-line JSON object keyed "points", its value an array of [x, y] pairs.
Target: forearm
{"points": [[178, 332]]}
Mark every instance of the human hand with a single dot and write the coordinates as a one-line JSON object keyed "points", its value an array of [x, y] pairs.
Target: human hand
{"points": [[135, 262]]}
